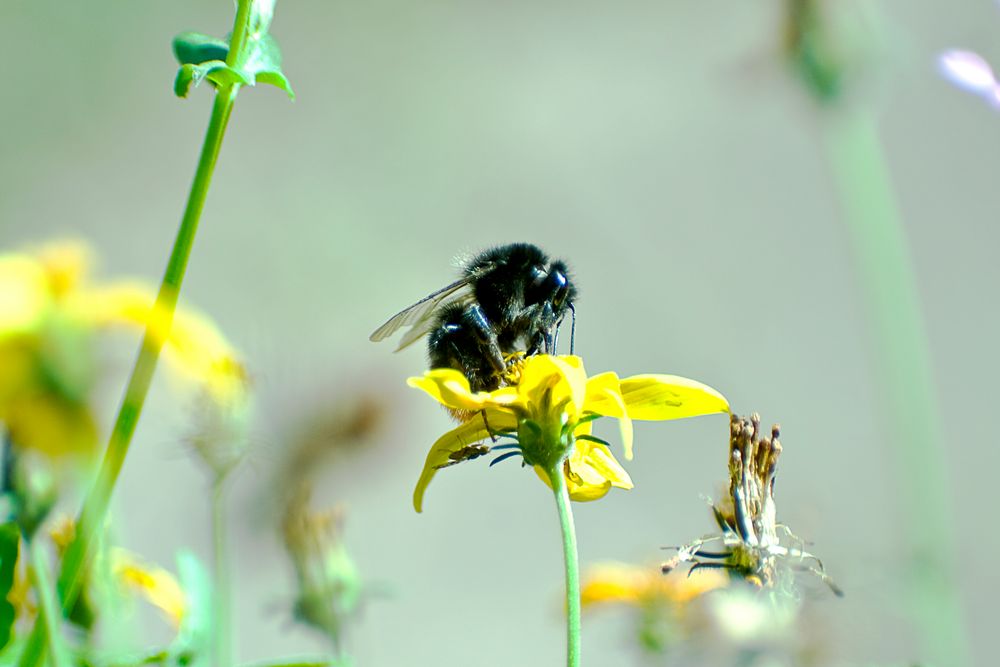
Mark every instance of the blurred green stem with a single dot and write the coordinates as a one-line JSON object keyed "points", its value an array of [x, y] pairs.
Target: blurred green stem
{"points": [[95, 505], [903, 356], [48, 607], [572, 566], [222, 636]]}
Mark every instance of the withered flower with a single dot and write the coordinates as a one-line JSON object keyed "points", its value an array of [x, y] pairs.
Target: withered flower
{"points": [[751, 548], [330, 588]]}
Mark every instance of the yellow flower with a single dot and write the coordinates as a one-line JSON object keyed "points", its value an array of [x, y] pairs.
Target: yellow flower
{"points": [[549, 411], [159, 587], [620, 583], [193, 345], [664, 608], [49, 315]]}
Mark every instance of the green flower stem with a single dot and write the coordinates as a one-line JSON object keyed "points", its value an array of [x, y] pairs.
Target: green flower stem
{"points": [[95, 505], [241, 26], [902, 351], [48, 606], [572, 566], [222, 636]]}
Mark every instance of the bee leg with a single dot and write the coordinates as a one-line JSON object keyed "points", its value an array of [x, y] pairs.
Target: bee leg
{"points": [[572, 330], [464, 340], [545, 325], [550, 328], [490, 346], [486, 423]]}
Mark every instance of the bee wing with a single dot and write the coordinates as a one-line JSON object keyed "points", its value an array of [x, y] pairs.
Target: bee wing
{"points": [[420, 316]]}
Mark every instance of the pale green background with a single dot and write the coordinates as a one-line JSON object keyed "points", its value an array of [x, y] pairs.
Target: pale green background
{"points": [[660, 148]]}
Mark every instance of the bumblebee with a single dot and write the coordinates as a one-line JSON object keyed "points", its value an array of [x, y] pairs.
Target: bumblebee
{"points": [[509, 303]]}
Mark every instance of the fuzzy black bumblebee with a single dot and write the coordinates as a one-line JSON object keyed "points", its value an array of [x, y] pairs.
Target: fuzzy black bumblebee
{"points": [[510, 300]]}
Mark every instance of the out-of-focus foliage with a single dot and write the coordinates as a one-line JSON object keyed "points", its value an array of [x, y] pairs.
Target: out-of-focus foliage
{"points": [[50, 313]]}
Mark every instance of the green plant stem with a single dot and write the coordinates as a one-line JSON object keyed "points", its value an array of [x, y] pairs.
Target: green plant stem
{"points": [[222, 636], [903, 356], [48, 607], [241, 26], [572, 566], [95, 505]]}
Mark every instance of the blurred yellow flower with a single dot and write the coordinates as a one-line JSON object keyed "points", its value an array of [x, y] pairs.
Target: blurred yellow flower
{"points": [[663, 608], [49, 313], [156, 585], [549, 411], [193, 345], [621, 583]]}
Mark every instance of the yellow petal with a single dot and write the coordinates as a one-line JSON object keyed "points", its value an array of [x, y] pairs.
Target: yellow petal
{"points": [[192, 342], [154, 583], [604, 398], [549, 382], [608, 583], [591, 478], [611, 582], [592, 469], [469, 433], [599, 458], [50, 424], [450, 388], [24, 295], [660, 397], [600, 395], [66, 264], [582, 492]]}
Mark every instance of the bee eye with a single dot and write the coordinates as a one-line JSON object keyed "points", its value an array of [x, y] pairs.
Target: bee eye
{"points": [[561, 291], [538, 276]]}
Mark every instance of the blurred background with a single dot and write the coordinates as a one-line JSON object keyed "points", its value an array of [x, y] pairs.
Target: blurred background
{"points": [[665, 150]]}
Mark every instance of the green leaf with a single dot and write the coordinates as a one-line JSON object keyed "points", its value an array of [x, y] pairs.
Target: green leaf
{"points": [[278, 80], [264, 63], [9, 540], [216, 71], [194, 637], [204, 57], [261, 12], [194, 48]]}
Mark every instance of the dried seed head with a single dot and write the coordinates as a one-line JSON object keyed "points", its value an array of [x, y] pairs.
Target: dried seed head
{"points": [[751, 549], [329, 587]]}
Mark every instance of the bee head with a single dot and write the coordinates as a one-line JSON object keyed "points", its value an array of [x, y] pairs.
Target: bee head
{"points": [[555, 286]]}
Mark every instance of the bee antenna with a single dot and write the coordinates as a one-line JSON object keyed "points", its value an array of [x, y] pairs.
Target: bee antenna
{"points": [[572, 328]]}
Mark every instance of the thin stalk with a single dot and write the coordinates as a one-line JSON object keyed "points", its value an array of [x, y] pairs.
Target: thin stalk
{"points": [[241, 26], [95, 505], [903, 356], [48, 606], [222, 640], [572, 566]]}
